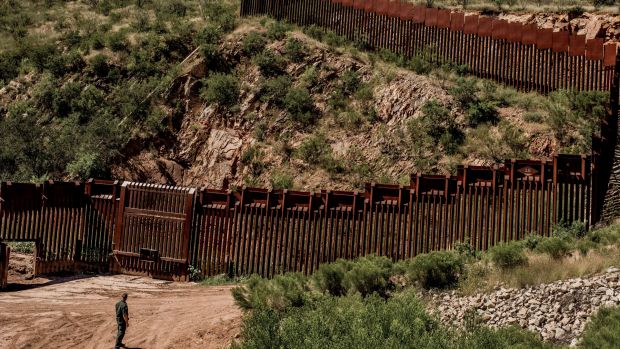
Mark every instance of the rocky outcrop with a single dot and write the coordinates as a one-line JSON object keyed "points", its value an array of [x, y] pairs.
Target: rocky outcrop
{"points": [[558, 311]]}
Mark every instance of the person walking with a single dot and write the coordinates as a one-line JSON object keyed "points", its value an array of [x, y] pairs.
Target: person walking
{"points": [[122, 319]]}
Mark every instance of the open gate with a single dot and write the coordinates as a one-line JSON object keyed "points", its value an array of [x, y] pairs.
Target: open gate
{"points": [[153, 230]]}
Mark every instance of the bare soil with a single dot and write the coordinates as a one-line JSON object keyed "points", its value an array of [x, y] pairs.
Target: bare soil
{"points": [[78, 312], [21, 267]]}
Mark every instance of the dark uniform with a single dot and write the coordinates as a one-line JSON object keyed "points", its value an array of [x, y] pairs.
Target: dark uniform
{"points": [[121, 310]]}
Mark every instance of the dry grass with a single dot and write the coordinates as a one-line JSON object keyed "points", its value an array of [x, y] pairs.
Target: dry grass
{"points": [[541, 269]]}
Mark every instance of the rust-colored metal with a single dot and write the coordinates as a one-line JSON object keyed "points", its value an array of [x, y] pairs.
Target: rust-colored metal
{"points": [[561, 41], [611, 50], [407, 11], [544, 38], [443, 18], [430, 19], [515, 32], [457, 21], [529, 34], [471, 24], [594, 49], [485, 26], [419, 14], [577, 45]]}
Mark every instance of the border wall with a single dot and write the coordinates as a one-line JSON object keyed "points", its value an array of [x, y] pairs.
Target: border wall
{"points": [[158, 230]]}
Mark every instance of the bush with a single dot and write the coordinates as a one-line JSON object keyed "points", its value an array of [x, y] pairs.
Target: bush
{"points": [[280, 293], [555, 247], [282, 180], [436, 269], [222, 89], [574, 230], [314, 150], [349, 82], [22, 247], [269, 63], [99, 65], [603, 330], [369, 275], [209, 35], [298, 102], [295, 50], [117, 41], [508, 255], [481, 113], [222, 14], [464, 91], [275, 90], [329, 278], [277, 30], [253, 43]]}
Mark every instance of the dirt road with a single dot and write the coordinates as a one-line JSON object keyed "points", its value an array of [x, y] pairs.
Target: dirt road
{"points": [[79, 313]]}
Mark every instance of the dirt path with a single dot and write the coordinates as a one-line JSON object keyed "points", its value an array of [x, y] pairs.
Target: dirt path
{"points": [[79, 313]]}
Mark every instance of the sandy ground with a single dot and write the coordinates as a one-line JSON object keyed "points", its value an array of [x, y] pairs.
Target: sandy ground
{"points": [[78, 312]]}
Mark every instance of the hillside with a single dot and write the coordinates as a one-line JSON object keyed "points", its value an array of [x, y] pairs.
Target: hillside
{"points": [[185, 92]]}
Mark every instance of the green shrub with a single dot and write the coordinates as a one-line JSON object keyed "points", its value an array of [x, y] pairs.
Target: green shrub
{"points": [[22, 247], [277, 30], [9, 66], [574, 230], [280, 293], [253, 43], [222, 89], [276, 89], [117, 41], [281, 180], [531, 241], [436, 269], [508, 255], [295, 50], [221, 13], [464, 91], [344, 322], [369, 275], [482, 112], [269, 63], [314, 150], [298, 102], [349, 82], [99, 65], [555, 247], [209, 35], [605, 236], [603, 330], [329, 278]]}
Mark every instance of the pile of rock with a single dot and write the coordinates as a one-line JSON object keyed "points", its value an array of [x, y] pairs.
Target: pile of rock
{"points": [[558, 311]]}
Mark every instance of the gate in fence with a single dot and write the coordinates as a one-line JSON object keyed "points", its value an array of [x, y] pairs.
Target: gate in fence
{"points": [[153, 230]]}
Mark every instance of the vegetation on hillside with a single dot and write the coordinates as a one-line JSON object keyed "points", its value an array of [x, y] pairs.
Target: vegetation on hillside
{"points": [[371, 302], [87, 86], [97, 70]]}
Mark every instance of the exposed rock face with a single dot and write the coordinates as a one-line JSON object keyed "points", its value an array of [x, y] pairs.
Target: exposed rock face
{"points": [[558, 311], [592, 25]]}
